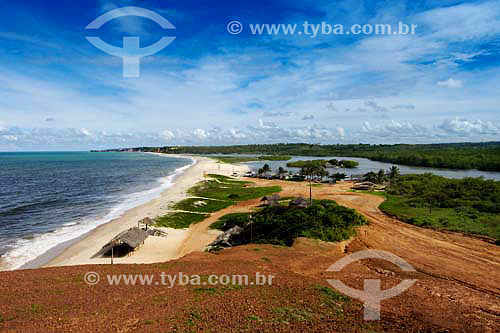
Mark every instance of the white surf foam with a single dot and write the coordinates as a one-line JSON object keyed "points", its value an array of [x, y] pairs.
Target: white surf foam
{"points": [[25, 250]]}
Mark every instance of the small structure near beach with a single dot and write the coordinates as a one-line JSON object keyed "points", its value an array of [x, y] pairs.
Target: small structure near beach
{"points": [[124, 243], [299, 202], [364, 186], [271, 200]]}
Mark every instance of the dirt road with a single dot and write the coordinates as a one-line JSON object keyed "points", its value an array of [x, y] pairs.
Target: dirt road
{"points": [[466, 268]]}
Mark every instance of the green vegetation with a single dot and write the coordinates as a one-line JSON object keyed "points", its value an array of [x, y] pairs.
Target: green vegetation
{"points": [[202, 205], [470, 205], [324, 220], [275, 158], [231, 190], [332, 295], [179, 220], [242, 159], [324, 163], [290, 314], [213, 194], [228, 221], [482, 156]]}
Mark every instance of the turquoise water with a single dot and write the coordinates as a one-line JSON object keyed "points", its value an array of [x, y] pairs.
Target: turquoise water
{"points": [[50, 198]]}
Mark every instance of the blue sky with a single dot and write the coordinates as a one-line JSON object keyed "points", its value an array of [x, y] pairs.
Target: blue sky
{"points": [[59, 92]]}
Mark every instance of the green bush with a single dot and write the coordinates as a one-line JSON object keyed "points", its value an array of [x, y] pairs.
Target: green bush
{"points": [[324, 220]]}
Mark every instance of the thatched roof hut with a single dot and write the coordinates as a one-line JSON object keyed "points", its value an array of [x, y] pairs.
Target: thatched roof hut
{"points": [[124, 243], [271, 200], [299, 202]]}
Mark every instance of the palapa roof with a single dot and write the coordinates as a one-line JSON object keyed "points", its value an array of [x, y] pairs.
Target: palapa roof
{"points": [[299, 202], [132, 237], [274, 197]]}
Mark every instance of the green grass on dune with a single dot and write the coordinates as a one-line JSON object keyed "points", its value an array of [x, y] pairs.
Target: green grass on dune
{"points": [[179, 220], [202, 205], [214, 194], [230, 190]]}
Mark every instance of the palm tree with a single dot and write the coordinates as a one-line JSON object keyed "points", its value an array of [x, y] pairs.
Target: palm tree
{"points": [[394, 172], [370, 177], [338, 176], [381, 177], [310, 170]]}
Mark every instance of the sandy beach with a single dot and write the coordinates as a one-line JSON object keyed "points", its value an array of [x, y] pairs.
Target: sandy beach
{"points": [[154, 249]]}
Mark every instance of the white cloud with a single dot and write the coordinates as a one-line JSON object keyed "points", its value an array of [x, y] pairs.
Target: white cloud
{"points": [[451, 83], [200, 133], [373, 106], [341, 132], [10, 137], [397, 129], [460, 126], [308, 117], [85, 132], [168, 135]]}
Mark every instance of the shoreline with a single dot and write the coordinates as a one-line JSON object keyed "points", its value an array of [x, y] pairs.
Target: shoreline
{"points": [[155, 249]]}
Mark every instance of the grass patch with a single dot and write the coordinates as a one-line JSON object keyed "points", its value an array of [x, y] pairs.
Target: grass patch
{"points": [[377, 193], [469, 205], [266, 259], [36, 308], [225, 190], [231, 190], [205, 290], [193, 317], [202, 206], [179, 220], [254, 318], [290, 314], [458, 219], [332, 295]]}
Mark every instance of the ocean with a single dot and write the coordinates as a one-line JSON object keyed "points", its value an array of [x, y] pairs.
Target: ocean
{"points": [[48, 198]]}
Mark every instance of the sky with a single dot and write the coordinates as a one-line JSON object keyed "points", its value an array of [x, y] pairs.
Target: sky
{"points": [[211, 87]]}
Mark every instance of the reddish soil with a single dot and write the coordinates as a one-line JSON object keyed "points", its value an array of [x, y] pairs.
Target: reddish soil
{"points": [[457, 287]]}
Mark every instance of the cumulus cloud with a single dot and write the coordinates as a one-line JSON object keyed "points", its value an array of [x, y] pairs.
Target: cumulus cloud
{"points": [[373, 106], [85, 132], [267, 124], [394, 129], [464, 127], [168, 135], [200, 133], [451, 83], [308, 117], [341, 132]]}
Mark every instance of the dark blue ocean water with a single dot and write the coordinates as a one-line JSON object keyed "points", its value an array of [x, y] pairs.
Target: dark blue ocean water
{"points": [[49, 198]]}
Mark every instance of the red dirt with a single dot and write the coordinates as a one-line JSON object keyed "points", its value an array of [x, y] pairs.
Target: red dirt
{"points": [[457, 287]]}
